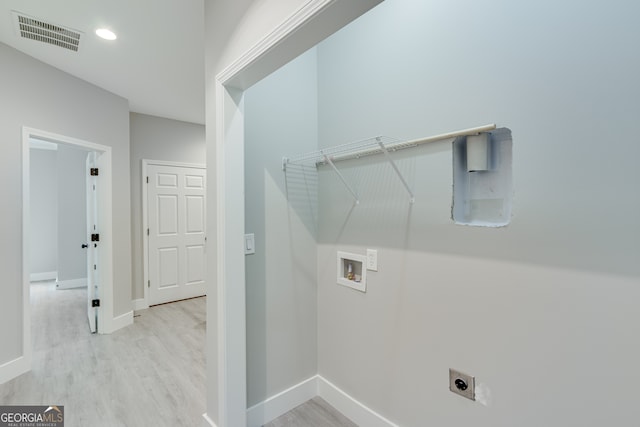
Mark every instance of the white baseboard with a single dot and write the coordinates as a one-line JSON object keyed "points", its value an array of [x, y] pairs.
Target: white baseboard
{"points": [[282, 402], [39, 277], [208, 422], [71, 284], [14, 368], [140, 304], [350, 407], [121, 321]]}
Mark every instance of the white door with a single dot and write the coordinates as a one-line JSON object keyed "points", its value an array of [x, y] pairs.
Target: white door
{"points": [[176, 233], [93, 239]]}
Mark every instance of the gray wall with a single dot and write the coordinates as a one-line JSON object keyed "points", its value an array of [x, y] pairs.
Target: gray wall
{"points": [[542, 312], [156, 138], [72, 213], [231, 29], [44, 211], [42, 97], [281, 276]]}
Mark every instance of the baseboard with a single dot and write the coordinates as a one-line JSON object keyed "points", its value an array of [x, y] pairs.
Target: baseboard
{"points": [[13, 369], [140, 304], [122, 321], [208, 422], [39, 277], [350, 407], [71, 284], [281, 403]]}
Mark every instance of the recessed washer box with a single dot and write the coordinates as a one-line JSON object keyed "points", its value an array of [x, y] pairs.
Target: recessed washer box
{"points": [[352, 271]]}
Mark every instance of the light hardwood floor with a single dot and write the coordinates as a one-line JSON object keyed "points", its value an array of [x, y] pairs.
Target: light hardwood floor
{"points": [[313, 413], [149, 374]]}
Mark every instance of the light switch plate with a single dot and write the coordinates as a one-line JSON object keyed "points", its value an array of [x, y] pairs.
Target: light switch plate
{"points": [[462, 384], [372, 259], [249, 244]]}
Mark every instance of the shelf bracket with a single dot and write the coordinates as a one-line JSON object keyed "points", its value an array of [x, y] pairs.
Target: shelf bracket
{"points": [[335, 169], [395, 168]]}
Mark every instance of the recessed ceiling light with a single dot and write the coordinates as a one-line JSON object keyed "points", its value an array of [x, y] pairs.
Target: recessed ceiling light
{"points": [[106, 34]]}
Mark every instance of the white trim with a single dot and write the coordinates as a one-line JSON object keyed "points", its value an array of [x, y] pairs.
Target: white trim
{"points": [[121, 321], [230, 239], [40, 277], [25, 364], [302, 16], [145, 220], [14, 368], [147, 162], [208, 422], [140, 304], [71, 284], [281, 403], [350, 407], [285, 401]]}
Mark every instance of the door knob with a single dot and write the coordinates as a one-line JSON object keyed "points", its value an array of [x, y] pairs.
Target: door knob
{"points": [[84, 245]]}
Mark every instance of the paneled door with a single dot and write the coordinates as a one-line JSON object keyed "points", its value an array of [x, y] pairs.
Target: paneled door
{"points": [[176, 232]]}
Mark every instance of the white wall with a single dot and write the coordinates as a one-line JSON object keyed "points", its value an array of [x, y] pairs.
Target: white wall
{"points": [[42, 97], [542, 312], [157, 138], [72, 213], [44, 211], [281, 276]]}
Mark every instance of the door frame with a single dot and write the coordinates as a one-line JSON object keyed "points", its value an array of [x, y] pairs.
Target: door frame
{"points": [[105, 311], [306, 27], [145, 218]]}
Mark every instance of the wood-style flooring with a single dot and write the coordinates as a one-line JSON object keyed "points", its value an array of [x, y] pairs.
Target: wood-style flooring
{"points": [[151, 373], [313, 413]]}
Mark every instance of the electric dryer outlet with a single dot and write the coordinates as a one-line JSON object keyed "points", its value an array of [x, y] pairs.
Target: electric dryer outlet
{"points": [[462, 384]]}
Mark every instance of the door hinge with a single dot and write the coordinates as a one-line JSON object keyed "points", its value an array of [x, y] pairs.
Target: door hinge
{"points": [[94, 171], [95, 267], [147, 231], [147, 180], [95, 237], [148, 283], [95, 303]]}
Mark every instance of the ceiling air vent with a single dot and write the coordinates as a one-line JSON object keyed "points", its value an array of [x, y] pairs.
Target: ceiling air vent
{"points": [[36, 29]]}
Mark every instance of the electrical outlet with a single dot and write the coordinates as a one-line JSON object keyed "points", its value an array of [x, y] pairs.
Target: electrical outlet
{"points": [[372, 259], [462, 384]]}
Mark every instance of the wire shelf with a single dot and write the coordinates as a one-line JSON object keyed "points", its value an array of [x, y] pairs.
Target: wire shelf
{"points": [[370, 146]]}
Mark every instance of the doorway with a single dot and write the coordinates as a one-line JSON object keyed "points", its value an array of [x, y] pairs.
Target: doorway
{"points": [[58, 227], [97, 311], [311, 23]]}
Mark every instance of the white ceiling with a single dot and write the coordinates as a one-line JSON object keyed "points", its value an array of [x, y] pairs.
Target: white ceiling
{"points": [[157, 62]]}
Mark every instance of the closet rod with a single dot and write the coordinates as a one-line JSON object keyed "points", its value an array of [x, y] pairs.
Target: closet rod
{"points": [[406, 144]]}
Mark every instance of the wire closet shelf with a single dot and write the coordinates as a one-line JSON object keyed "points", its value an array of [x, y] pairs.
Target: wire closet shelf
{"points": [[371, 146]]}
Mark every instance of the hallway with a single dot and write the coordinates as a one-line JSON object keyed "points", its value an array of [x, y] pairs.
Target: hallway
{"points": [[151, 373]]}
